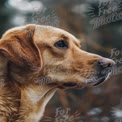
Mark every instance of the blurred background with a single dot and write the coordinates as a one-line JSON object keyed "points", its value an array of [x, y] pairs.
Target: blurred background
{"points": [[98, 25]]}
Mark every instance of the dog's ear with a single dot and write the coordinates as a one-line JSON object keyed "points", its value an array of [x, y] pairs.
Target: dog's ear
{"points": [[19, 47]]}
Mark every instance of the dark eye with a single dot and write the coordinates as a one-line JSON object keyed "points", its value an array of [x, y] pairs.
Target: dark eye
{"points": [[62, 44]]}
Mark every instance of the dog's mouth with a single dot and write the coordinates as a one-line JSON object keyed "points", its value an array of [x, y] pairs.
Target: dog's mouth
{"points": [[90, 82], [69, 84], [99, 78], [95, 80]]}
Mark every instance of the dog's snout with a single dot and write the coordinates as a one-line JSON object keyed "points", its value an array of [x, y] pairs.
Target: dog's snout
{"points": [[106, 62]]}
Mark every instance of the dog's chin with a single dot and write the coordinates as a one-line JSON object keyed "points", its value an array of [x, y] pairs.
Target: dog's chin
{"points": [[99, 80]]}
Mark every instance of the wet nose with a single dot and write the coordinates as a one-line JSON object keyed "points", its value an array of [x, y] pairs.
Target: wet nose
{"points": [[106, 62]]}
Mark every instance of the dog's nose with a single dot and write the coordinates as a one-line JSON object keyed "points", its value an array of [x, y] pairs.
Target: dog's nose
{"points": [[106, 62]]}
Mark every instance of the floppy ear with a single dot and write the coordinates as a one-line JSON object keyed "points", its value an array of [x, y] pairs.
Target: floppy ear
{"points": [[19, 47], [20, 59]]}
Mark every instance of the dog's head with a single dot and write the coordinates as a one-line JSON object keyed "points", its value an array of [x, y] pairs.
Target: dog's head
{"points": [[46, 55]]}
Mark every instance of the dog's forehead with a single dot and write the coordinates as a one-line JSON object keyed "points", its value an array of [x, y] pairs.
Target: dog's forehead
{"points": [[46, 32], [53, 32]]}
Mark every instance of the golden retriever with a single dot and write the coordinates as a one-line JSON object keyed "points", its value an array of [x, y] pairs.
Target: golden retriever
{"points": [[35, 61]]}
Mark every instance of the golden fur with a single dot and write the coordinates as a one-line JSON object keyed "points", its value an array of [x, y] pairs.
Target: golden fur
{"points": [[32, 68]]}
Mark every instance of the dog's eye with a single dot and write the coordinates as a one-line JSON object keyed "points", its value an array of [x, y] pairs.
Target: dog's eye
{"points": [[62, 44]]}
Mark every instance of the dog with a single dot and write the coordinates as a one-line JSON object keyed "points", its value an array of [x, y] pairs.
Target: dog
{"points": [[36, 60]]}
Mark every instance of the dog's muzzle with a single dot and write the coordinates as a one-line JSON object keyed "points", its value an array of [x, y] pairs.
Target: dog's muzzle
{"points": [[104, 69]]}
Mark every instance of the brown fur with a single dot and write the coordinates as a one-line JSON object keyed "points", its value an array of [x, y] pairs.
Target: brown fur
{"points": [[32, 69]]}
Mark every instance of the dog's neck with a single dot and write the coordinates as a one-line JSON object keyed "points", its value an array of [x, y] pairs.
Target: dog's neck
{"points": [[37, 98], [28, 101], [27, 104]]}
